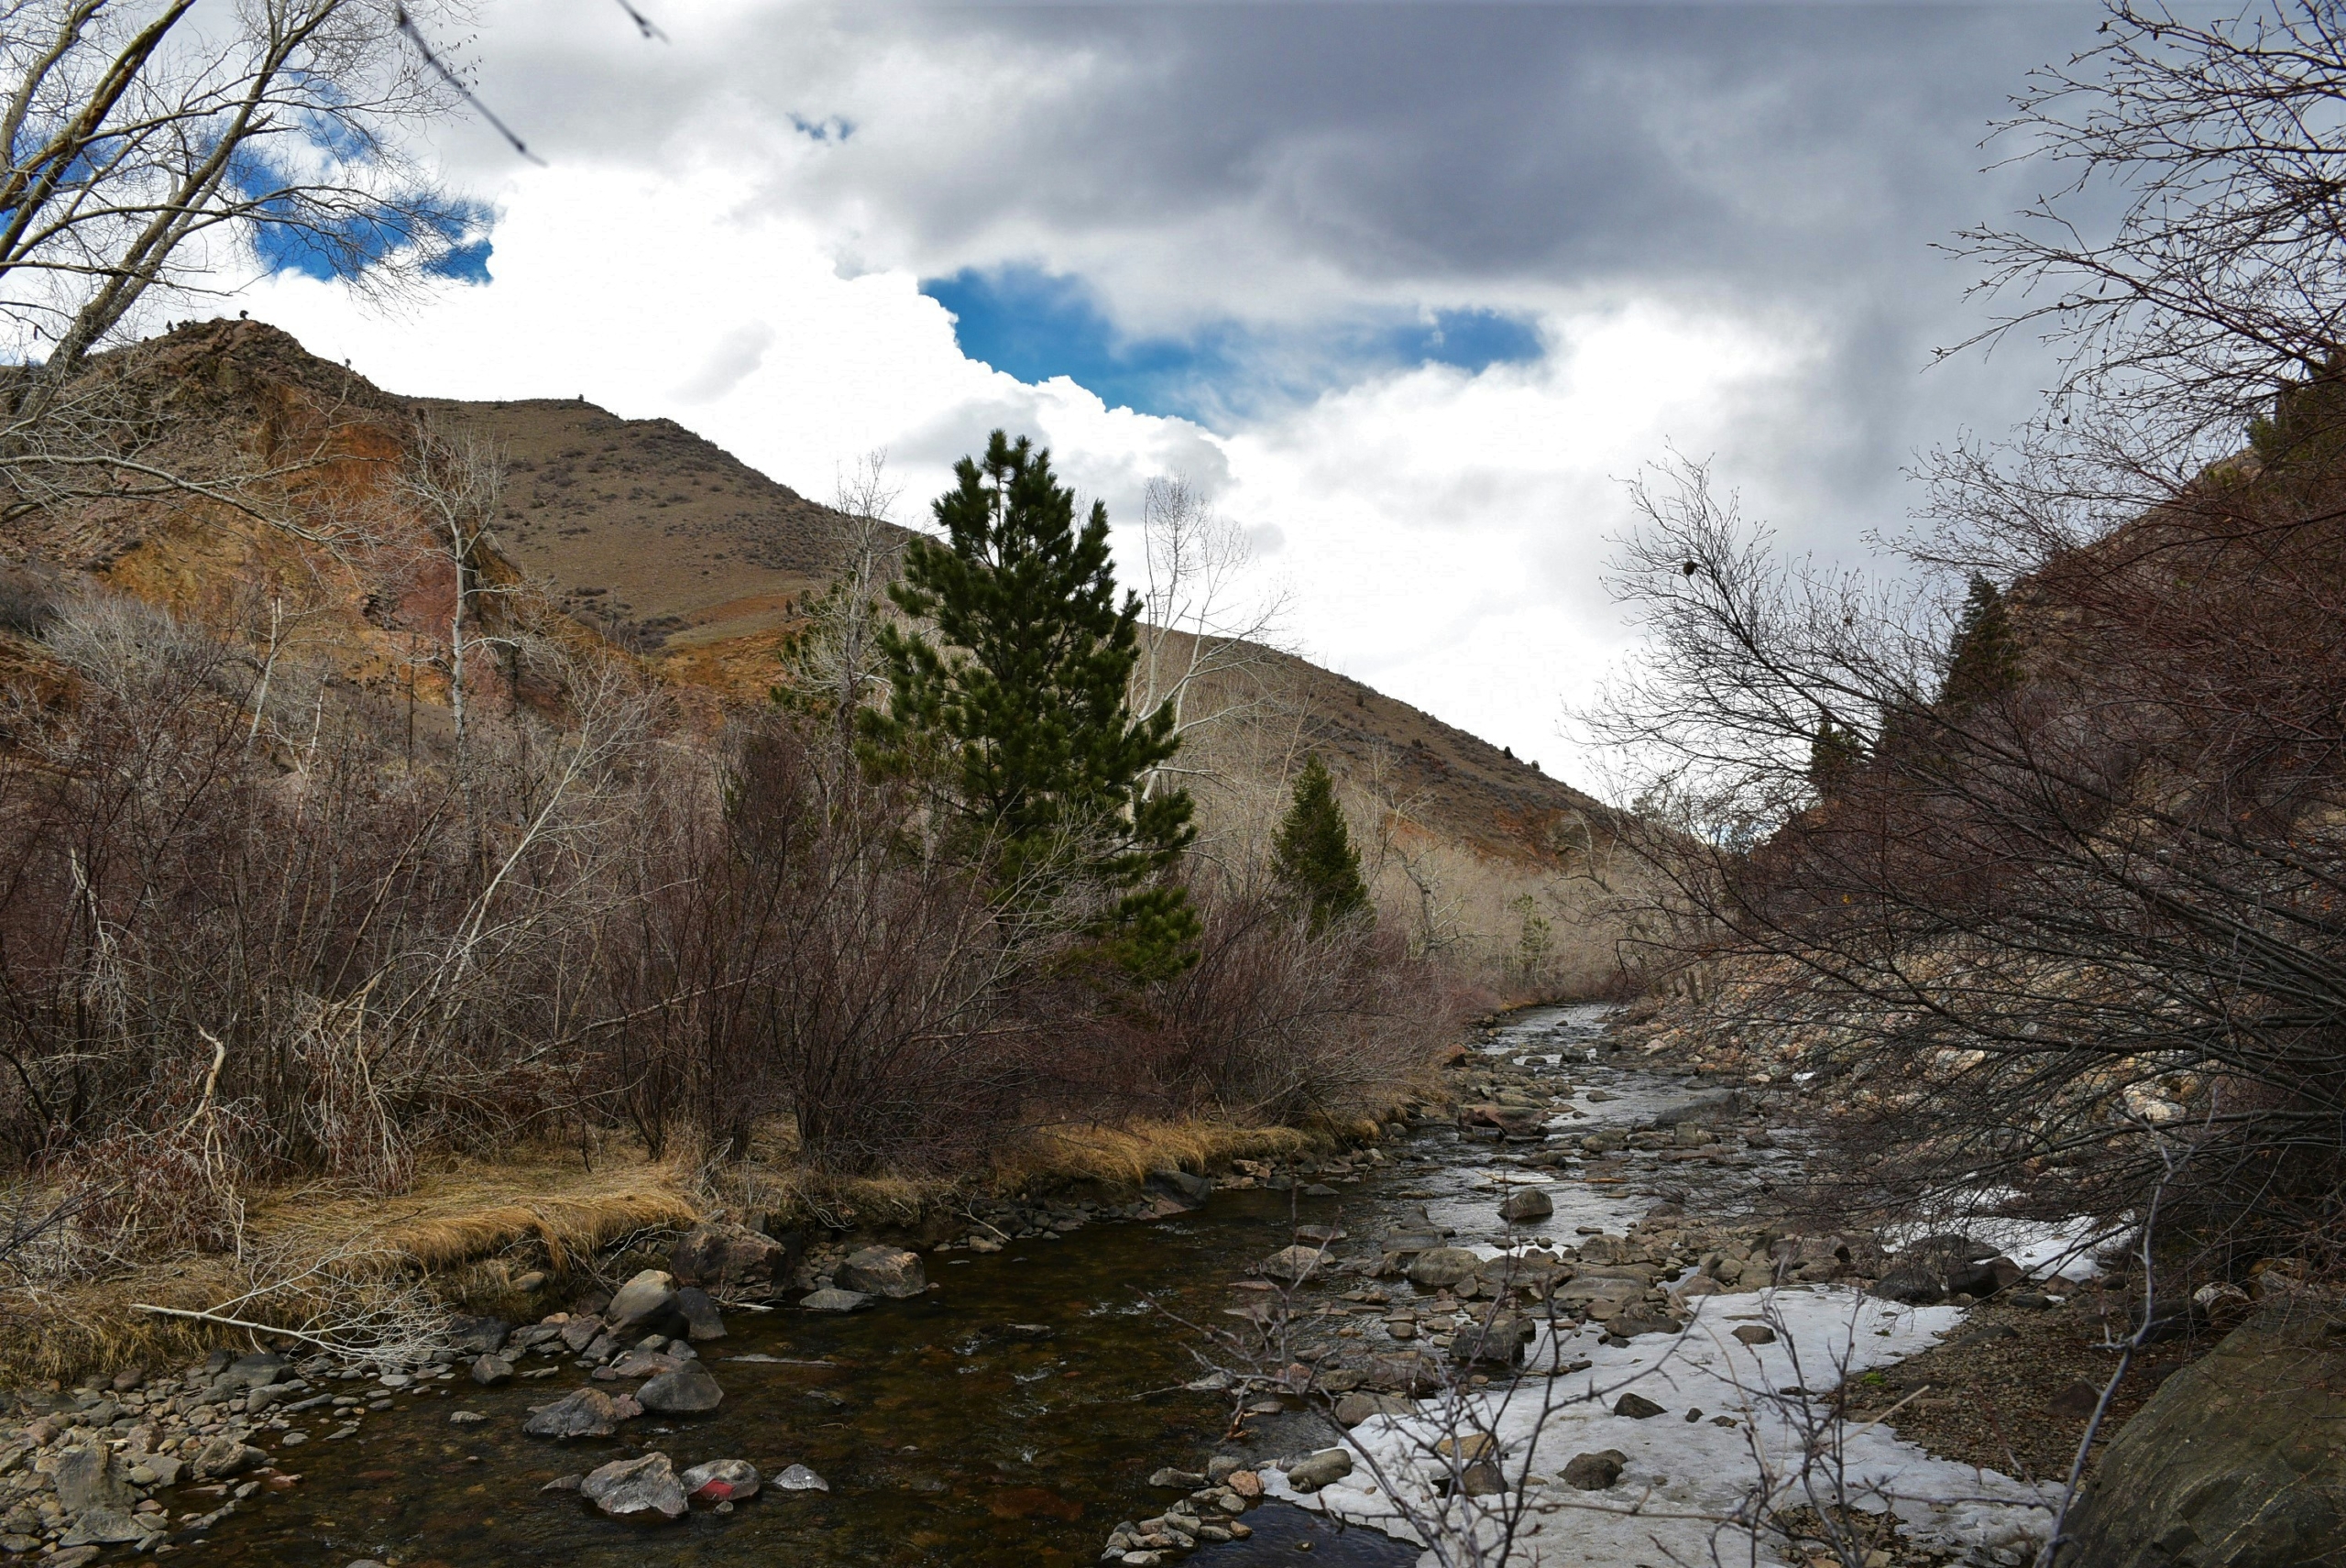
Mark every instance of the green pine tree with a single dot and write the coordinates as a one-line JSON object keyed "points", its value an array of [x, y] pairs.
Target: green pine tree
{"points": [[1983, 659], [1312, 855], [1833, 755], [1016, 713]]}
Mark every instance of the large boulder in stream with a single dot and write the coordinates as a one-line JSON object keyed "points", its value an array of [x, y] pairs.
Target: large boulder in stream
{"points": [[1444, 1266], [731, 1259], [641, 1302], [2238, 1460], [688, 1392]]}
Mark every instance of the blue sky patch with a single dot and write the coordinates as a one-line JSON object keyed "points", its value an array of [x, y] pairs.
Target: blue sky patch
{"points": [[1035, 324]]}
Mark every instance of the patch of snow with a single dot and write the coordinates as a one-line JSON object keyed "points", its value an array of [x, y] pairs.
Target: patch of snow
{"points": [[1685, 1476]]}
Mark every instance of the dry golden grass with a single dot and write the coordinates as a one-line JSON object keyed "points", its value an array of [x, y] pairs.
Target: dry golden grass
{"points": [[462, 1223]]}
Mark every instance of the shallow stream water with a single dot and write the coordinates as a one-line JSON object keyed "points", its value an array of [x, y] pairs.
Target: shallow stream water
{"points": [[1011, 1417]]}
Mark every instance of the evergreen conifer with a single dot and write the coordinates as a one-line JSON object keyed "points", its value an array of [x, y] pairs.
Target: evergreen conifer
{"points": [[1983, 659], [1016, 716], [1312, 855]]}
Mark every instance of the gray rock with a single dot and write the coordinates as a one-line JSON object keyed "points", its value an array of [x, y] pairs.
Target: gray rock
{"points": [[489, 1371], [731, 1258], [1356, 1408], [1496, 1342], [688, 1392], [720, 1481], [2234, 1461], [224, 1456], [883, 1271], [91, 1478], [1444, 1266], [630, 1488], [581, 1332], [72, 1557], [570, 1483], [477, 1336], [1179, 1480], [1181, 1184], [1527, 1204], [1636, 1407], [642, 1364], [1756, 1334], [1595, 1472], [836, 1301], [267, 1397], [1328, 1466], [102, 1526], [1293, 1263], [647, 1297], [1405, 1372], [584, 1412], [1912, 1283], [798, 1479], [701, 1320], [254, 1371]]}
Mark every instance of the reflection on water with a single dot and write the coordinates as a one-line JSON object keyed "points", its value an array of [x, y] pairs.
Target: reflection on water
{"points": [[1011, 1417]]}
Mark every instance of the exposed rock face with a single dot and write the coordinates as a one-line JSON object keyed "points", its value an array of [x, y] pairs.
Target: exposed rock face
{"points": [[634, 1487], [883, 1271], [2238, 1460], [92, 1478]]}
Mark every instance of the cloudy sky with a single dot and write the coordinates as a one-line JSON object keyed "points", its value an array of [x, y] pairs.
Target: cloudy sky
{"points": [[1410, 290]]}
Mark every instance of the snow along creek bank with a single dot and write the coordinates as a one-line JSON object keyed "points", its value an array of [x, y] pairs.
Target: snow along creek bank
{"points": [[1693, 1361]]}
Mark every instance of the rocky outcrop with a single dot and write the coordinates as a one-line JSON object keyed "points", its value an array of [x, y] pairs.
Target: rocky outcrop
{"points": [[2239, 1461]]}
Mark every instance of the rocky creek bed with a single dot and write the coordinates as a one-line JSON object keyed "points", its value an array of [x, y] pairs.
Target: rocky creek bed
{"points": [[1034, 1392]]}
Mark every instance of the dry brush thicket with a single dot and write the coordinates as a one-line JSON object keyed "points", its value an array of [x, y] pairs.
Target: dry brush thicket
{"points": [[327, 877]]}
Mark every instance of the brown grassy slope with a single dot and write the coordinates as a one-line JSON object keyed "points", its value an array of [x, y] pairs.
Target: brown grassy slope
{"points": [[697, 554]]}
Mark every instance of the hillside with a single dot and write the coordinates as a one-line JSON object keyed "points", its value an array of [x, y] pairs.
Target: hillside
{"points": [[678, 552]]}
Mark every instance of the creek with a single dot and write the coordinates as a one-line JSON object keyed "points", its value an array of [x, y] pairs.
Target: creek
{"points": [[1013, 1416]]}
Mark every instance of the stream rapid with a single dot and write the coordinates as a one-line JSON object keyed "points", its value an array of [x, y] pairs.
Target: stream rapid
{"points": [[1013, 1416]]}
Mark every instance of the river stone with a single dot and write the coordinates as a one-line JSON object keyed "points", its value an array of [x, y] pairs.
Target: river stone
{"points": [[798, 1479], [689, 1392], [836, 1301], [489, 1371], [641, 1364], [1527, 1205], [583, 1412], [1293, 1263], [1910, 1284], [102, 1526], [1354, 1409], [581, 1332], [2236, 1460], [730, 1258], [641, 1300], [1182, 1185], [94, 1478], [224, 1456], [1444, 1266], [248, 1372], [1328, 1466], [720, 1481], [1405, 1372], [1756, 1334], [701, 1320], [631, 1487], [1497, 1342], [477, 1336], [883, 1271], [1595, 1472], [1636, 1407]]}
